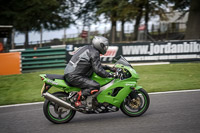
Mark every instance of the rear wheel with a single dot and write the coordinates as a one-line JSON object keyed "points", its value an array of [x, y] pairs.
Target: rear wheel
{"points": [[136, 103], [55, 113]]}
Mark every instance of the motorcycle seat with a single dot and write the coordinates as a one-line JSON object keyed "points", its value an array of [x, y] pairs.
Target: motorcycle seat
{"points": [[55, 76]]}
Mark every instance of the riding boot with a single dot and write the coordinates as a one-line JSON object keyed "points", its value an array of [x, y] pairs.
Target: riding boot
{"points": [[88, 92], [83, 94]]}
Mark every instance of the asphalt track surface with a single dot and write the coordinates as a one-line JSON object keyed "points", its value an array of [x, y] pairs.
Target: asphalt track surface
{"points": [[168, 113]]}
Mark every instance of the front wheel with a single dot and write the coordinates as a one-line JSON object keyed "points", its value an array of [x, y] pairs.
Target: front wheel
{"points": [[136, 103], [56, 113]]}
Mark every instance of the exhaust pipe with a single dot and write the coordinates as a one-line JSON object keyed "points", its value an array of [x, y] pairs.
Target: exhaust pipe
{"points": [[58, 101]]}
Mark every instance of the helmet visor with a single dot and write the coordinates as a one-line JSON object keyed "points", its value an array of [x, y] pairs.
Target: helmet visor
{"points": [[104, 47]]}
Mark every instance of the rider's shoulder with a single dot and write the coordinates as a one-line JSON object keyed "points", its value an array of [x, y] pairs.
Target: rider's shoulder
{"points": [[92, 49]]}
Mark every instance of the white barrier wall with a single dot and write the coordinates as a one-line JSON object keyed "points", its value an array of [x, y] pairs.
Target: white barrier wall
{"points": [[149, 51]]}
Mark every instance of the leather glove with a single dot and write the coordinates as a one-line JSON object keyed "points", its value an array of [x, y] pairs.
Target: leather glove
{"points": [[112, 69]]}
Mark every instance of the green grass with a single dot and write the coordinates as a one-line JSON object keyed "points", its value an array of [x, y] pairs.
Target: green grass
{"points": [[23, 88], [26, 87], [183, 76]]}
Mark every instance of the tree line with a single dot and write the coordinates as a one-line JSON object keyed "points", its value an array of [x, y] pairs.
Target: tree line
{"points": [[34, 15]]}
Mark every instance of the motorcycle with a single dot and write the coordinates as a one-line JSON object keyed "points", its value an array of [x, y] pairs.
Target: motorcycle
{"points": [[115, 93]]}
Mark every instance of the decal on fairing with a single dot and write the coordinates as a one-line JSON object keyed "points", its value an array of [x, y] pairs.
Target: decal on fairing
{"points": [[52, 82]]}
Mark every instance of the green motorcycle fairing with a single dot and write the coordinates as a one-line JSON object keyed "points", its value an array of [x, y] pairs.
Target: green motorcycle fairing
{"points": [[126, 86], [59, 83]]}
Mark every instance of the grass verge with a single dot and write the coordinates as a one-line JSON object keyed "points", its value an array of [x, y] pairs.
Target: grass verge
{"points": [[26, 87]]}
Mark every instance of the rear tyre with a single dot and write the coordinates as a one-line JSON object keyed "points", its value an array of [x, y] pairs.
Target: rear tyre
{"points": [[55, 113], [136, 103]]}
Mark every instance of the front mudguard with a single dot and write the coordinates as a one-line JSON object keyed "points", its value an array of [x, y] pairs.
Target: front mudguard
{"points": [[133, 94], [138, 87]]}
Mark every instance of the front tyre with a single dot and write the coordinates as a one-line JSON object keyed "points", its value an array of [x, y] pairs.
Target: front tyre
{"points": [[136, 103], [55, 113]]}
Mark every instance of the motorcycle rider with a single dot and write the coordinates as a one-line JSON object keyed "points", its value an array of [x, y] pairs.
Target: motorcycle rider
{"points": [[83, 63]]}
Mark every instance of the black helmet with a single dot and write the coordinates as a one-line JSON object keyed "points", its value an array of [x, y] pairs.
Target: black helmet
{"points": [[100, 43]]}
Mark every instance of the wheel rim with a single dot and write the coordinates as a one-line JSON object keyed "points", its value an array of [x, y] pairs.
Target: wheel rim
{"points": [[58, 113], [136, 108]]}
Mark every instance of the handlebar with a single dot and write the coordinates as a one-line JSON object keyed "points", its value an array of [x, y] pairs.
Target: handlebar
{"points": [[119, 73]]}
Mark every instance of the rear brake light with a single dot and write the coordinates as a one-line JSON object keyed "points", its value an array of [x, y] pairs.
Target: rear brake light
{"points": [[42, 78]]}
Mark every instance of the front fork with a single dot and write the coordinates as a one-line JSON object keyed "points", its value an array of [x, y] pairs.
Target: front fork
{"points": [[133, 94], [134, 101]]}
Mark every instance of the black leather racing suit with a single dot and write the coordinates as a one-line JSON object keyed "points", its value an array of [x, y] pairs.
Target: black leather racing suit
{"points": [[81, 66]]}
